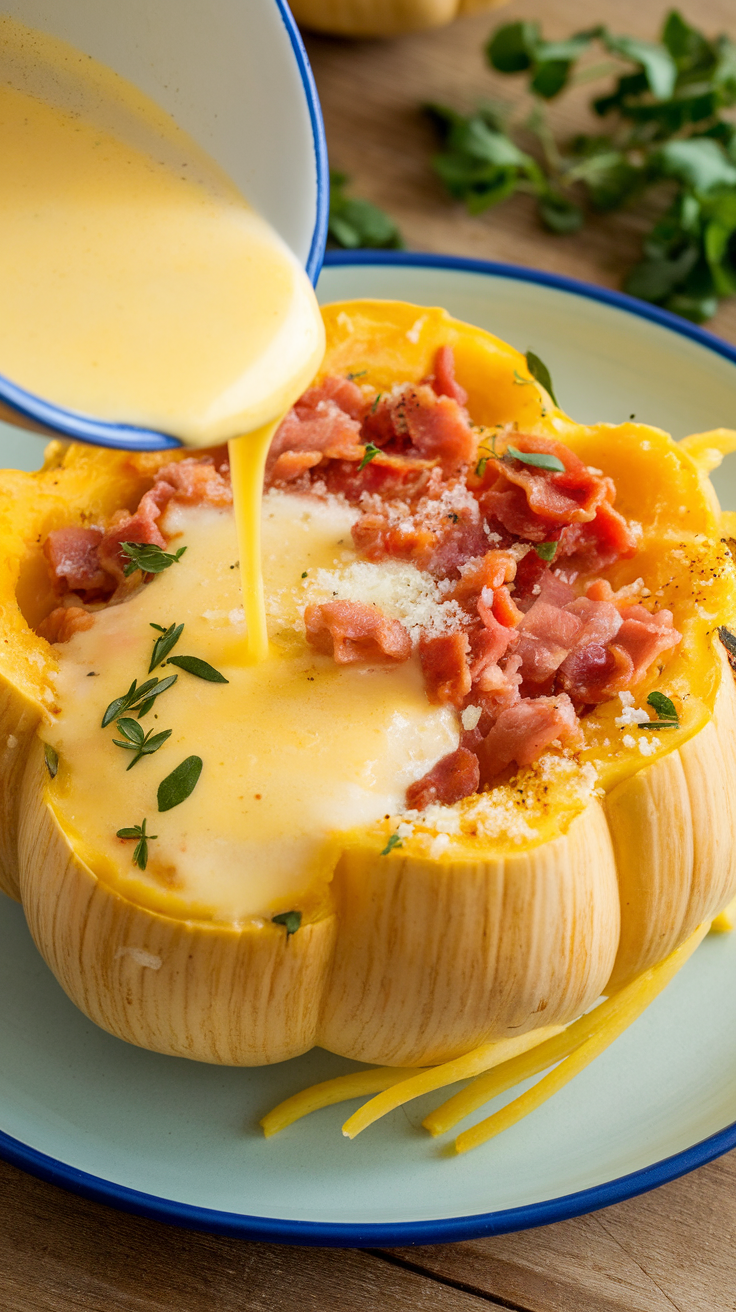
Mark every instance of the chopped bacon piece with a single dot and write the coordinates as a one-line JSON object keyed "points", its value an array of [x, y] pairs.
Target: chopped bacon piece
{"points": [[350, 631], [640, 640], [64, 622], [343, 391], [522, 732], [196, 482], [292, 464], [498, 604], [323, 428], [436, 426], [74, 560], [619, 655], [444, 382], [445, 667], [139, 527], [492, 570], [488, 645], [571, 496], [606, 539], [530, 571], [546, 634], [388, 475], [438, 534], [454, 777]]}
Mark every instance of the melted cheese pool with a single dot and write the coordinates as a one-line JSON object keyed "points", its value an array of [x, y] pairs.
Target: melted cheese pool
{"points": [[295, 750]]}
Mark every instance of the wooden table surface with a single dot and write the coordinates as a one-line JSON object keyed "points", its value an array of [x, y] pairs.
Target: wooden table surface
{"points": [[672, 1249]]}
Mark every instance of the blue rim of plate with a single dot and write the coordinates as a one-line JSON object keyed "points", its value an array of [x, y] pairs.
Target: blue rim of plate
{"points": [[71, 423], [399, 1234]]}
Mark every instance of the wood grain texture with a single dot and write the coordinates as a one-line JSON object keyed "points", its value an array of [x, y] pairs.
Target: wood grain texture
{"points": [[64, 1254], [668, 1251]]}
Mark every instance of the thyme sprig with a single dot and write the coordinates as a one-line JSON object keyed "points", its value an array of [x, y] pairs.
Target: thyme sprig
{"points": [[369, 453], [140, 854], [667, 717], [148, 557], [135, 740], [137, 699], [165, 643]]}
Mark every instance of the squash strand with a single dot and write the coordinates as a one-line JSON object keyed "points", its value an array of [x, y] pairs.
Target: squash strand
{"points": [[649, 985], [461, 1068]]}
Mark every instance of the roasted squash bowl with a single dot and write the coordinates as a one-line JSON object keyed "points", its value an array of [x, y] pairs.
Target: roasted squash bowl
{"points": [[599, 865]]}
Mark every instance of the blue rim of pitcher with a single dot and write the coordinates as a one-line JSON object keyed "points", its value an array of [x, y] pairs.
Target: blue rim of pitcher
{"points": [[61, 422], [395, 1234]]}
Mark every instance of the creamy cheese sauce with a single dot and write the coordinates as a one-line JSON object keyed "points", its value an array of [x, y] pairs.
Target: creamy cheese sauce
{"points": [[138, 284], [296, 749]]}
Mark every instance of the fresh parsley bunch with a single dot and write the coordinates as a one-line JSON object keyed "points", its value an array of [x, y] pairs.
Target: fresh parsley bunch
{"points": [[355, 223], [667, 132]]}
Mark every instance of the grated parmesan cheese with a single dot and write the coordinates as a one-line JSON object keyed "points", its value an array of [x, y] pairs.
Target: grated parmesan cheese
{"points": [[470, 717], [398, 589]]}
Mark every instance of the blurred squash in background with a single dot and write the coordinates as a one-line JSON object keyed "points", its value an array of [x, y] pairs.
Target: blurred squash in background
{"points": [[366, 18]]}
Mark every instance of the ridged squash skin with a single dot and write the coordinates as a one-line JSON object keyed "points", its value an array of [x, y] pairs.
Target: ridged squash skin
{"points": [[371, 18], [407, 958]]}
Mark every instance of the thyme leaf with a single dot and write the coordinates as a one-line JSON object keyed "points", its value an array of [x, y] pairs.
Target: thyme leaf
{"points": [[200, 669], [149, 558], [480, 468], [180, 784], [137, 699], [540, 459], [51, 757], [165, 643], [546, 550], [140, 855], [394, 841], [370, 453], [291, 919], [667, 717], [136, 741], [538, 370]]}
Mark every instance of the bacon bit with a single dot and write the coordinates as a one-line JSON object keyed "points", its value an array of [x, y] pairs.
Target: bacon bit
{"points": [[437, 534], [74, 561], [492, 570], [292, 464], [503, 607], [445, 667], [195, 482], [488, 645], [444, 382], [522, 732], [546, 634], [437, 428], [343, 391], [350, 631], [140, 527], [323, 428], [588, 547], [640, 640], [388, 476], [64, 622], [530, 571], [454, 777], [560, 498]]}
